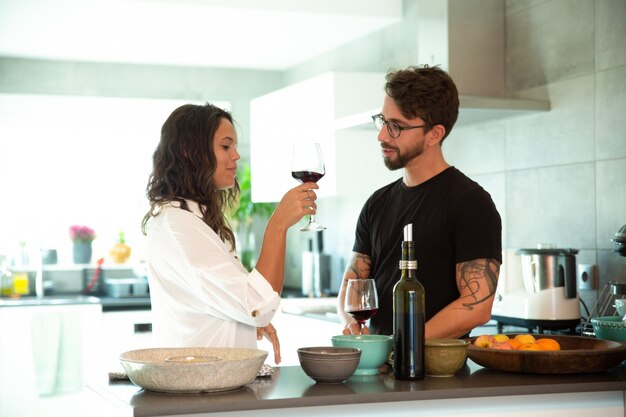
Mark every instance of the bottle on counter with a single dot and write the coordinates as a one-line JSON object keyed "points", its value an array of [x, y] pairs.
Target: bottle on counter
{"points": [[408, 315], [6, 278], [120, 252]]}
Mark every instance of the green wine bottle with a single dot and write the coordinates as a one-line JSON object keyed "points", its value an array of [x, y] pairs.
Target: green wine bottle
{"points": [[408, 315]]}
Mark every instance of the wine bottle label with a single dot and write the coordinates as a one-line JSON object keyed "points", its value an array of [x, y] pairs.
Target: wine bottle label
{"points": [[408, 264]]}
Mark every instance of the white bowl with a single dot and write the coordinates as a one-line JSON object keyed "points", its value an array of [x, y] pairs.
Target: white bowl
{"points": [[192, 369]]}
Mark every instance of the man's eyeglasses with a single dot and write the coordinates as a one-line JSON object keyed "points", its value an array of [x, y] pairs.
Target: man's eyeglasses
{"points": [[393, 128]]}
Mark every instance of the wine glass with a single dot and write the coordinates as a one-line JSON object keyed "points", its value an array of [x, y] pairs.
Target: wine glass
{"points": [[361, 300], [307, 165]]}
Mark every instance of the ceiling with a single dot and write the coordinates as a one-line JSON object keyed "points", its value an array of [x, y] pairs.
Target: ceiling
{"points": [[253, 34]]}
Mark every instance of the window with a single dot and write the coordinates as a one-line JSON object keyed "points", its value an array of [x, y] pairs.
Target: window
{"points": [[76, 160]]}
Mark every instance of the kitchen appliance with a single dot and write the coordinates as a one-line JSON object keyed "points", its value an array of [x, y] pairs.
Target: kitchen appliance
{"points": [[315, 269], [613, 290], [537, 289]]}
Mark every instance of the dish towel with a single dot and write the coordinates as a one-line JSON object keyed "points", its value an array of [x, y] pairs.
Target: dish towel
{"points": [[57, 352]]}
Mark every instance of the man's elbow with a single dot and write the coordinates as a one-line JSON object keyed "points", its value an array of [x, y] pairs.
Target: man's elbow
{"points": [[483, 315]]}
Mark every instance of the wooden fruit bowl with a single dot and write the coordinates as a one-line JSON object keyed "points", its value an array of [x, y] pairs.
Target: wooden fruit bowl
{"points": [[577, 355]]}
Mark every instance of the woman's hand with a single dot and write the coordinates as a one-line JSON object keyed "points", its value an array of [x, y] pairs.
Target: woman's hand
{"points": [[295, 204], [270, 334]]}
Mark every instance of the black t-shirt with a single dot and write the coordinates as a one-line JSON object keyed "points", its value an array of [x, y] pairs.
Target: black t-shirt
{"points": [[454, 220]]}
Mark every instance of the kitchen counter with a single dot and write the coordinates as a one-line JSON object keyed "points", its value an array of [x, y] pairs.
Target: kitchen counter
{"points": [[475, 390], [108, 303]]}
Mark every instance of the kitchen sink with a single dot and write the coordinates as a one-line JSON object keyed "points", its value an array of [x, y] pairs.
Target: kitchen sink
{"points": [[58, 299]]}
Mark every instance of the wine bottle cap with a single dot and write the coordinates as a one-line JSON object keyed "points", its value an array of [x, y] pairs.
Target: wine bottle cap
{"points": [[408, 265], [408, 232]]}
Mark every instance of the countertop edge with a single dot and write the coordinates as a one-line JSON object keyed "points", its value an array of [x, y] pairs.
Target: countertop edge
{"points": [[405, 391]]}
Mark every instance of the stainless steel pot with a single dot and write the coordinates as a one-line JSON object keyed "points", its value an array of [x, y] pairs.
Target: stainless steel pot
{"points": [[544, 269]]}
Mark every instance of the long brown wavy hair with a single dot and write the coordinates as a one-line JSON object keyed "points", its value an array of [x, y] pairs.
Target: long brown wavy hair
{"points": [[183, 168]]}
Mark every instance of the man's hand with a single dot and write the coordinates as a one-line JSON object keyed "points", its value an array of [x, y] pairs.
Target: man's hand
{"points": [[353, 328]]}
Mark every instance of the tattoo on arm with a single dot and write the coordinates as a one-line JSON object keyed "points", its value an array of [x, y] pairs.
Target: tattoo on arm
{"points": [[360, 265], [477, 281]]}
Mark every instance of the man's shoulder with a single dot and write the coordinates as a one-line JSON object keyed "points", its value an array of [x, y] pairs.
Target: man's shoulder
{"points": [[460, 183], [385, 191]]}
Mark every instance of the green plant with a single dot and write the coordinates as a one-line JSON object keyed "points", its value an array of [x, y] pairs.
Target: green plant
{"points": [[247, 209]]}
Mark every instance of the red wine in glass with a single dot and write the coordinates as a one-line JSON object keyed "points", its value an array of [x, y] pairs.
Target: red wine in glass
{"points": [[307, 176], [362, 316], [307, 165], [361, 300]]}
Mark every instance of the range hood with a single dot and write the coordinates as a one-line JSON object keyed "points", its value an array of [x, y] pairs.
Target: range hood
{"points": [[467, 39]]}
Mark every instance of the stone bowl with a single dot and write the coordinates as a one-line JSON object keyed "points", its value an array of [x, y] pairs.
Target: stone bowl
{"points": [[375, 350], [327, 364], [444, 357], [609, 328], [192, 370]]}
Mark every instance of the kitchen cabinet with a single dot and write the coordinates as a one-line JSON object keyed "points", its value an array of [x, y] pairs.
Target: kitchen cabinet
{"points": [[123, 331], [296, 331], [46, 354], [308, 111]]}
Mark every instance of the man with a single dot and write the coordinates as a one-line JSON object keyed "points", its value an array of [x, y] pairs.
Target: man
{"points": [[456, 227]]}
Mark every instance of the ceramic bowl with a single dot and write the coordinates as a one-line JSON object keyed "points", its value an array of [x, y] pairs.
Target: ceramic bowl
{"points": [[444, 357], [326, 364], [375, 350], [609, 328], [192, 370], [620, 306]]}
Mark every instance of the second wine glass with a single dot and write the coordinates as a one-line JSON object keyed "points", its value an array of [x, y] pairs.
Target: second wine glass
{"points": [[307, 165], [361, 300]]}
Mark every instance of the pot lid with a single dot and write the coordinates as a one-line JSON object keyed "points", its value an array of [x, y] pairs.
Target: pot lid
{"points": [[547, 251]]}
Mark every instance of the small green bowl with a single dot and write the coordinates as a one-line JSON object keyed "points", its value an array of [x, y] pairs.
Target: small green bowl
{"points": [[609, 328], [445, 357], [375, 350]]}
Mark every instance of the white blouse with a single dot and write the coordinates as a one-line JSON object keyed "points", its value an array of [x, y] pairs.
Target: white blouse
{"points": [[200, 292]]}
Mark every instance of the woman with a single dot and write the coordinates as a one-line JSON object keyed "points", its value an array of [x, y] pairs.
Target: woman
{"points": [[201, 294]]}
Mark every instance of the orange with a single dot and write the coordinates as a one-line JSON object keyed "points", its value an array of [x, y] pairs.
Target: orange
{"points": [[525, 338], [515, 343], [530, 346], [548, 344]]}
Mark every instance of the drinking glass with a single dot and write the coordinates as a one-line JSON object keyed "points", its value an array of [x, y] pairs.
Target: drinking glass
{"points": [[307, 165], [361, 300]]}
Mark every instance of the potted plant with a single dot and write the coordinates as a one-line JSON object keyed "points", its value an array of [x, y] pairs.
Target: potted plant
{"points": [[243, 218], [81, 237]]}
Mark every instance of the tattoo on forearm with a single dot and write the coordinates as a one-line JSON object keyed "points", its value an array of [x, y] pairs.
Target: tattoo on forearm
{"points": [[360, 265], [479, 278]]}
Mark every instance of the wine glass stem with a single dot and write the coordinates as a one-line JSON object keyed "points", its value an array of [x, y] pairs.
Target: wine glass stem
{"points": [[312, 218]]}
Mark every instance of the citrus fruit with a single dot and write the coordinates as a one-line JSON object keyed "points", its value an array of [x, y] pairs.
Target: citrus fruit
{"points": [[530, 346], [515, 343], [525, 338], [548, 344]]}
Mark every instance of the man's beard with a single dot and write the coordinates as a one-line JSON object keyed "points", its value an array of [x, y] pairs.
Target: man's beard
{"points": [[402, 159]]}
